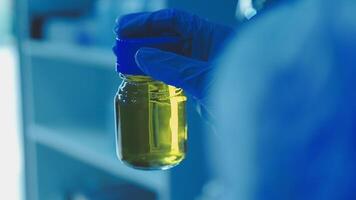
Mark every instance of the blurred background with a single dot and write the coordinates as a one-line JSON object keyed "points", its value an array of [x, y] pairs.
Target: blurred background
{"points": [[57, 86], [10, 139]]}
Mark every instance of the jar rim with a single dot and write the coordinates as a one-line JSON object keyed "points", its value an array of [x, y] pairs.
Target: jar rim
{"points": [[136, 78]]}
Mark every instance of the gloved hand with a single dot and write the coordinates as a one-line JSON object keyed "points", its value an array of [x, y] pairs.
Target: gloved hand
{"points": [[202, 40]]}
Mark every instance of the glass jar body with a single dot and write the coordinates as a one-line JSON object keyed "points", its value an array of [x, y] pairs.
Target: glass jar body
{"points": [[151, 128]]}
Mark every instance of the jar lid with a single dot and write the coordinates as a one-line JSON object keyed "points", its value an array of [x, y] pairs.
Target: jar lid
{"points": [[125, 50]]}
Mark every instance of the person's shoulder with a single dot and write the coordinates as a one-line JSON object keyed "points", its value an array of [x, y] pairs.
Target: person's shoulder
{"points": [[278, 35]]}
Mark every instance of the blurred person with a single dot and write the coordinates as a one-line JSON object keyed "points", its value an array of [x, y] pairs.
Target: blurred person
{"points": [[280, 91]]}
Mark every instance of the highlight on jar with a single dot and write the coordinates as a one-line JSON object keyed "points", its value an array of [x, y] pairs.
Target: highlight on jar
{"points": [[151, 127]]}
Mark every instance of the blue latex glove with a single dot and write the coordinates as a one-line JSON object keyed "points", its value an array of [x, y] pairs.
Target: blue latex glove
{"points": [[202, 40]]}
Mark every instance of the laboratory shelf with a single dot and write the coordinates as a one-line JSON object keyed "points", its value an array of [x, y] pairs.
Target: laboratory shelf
{"points": [[84, 55], [95, 148], [67, 110]]}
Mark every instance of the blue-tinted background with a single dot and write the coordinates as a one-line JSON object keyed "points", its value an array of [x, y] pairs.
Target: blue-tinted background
{"points": [[67, 80], [58, 80]]}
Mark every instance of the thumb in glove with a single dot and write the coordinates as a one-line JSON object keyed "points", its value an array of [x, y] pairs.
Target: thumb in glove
{"points": [[193, 76]]}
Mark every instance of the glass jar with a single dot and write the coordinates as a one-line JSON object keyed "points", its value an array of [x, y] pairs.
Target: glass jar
{"points": [[151, 130], [150, 122]]}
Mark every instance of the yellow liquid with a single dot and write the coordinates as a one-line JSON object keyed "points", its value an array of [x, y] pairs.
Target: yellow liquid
{"points": [[151, 123]]}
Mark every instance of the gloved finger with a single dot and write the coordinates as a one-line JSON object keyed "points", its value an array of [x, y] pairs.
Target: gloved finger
{"points": [[173, 69], [121, 22], [162, 22]]}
